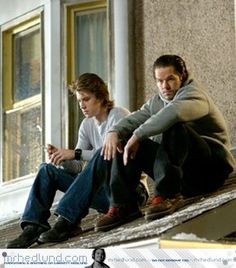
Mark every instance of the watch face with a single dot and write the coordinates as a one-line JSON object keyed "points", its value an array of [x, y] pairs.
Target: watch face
{"points": [[78, 153]]}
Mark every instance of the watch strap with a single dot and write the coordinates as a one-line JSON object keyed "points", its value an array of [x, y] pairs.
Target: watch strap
{"points": [[78, 153]]}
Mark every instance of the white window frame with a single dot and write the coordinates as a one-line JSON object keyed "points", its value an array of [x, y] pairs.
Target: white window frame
{"points": [[13, 192]]}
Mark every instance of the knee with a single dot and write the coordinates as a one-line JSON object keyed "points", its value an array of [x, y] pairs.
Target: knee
{"points": [[178, 130], [43, 165], [47, 170], [176, 136], [46, 167]]}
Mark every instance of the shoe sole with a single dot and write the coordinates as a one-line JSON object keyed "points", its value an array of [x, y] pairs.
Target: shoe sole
{"points": [[29, 244], [158, 215], [109, 227], [161, 214], [43, 241]]}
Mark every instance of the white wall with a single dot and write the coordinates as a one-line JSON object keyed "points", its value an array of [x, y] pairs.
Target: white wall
{"points": [[12, 9], [13, 196]]}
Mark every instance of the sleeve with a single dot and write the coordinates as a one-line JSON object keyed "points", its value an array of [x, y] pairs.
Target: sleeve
{"points": [[118, 113], [75, 166], [185, 107], [83, 136], [128, 124]]}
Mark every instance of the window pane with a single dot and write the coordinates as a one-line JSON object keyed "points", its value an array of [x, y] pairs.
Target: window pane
{"points": [[27, 64], [91, 43], [22, 105], [22, 146]]}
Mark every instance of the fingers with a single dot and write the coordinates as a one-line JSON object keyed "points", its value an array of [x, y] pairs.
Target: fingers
{"points": [[109, 151], [128, 155], [56, 158], [130, 149], [51, 149], [103, 149], [120, 147], [110, 146], [125, 157], [60, 155]]}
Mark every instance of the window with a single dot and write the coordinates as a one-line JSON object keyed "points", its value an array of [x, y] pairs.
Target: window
{"points": [[87, 51], [22, 101]]}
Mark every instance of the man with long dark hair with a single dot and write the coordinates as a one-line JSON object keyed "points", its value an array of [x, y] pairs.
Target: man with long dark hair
{"points": [[179, 138]]}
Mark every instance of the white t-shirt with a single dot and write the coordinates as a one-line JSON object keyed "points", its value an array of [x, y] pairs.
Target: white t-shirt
{"points": [[91, 136]]}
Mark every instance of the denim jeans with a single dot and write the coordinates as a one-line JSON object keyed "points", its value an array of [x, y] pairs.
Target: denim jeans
{"points": [[184, 162], [88, 189]]}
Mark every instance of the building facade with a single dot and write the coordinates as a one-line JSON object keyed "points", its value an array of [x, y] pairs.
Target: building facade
{"points": [[46, 44]]}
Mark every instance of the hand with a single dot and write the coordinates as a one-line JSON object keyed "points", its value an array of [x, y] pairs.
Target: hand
{"points": [[60, 155], [131, 149], [51, 149], [111, 145]]}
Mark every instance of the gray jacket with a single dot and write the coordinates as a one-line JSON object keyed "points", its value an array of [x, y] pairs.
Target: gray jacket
{"points": [[191, 104]]}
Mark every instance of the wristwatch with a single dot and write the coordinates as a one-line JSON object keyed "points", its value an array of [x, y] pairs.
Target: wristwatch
{"points": [[78, 153]]}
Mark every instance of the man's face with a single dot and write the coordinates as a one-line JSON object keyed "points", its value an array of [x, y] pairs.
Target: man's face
{"points": [[89, 104], [99, 256], [168, 81]]}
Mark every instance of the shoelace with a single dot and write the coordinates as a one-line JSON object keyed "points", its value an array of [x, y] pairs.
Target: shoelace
{"points": [[114, 211], [157, 200]]}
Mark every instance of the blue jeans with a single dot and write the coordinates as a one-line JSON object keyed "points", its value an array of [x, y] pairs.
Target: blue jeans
{"points": [[88, 189]]}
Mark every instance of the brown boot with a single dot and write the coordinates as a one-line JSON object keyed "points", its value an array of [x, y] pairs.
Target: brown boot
{"points": [[161, 207], [117, 216]]}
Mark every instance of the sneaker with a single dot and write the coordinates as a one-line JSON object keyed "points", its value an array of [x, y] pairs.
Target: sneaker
{"points": [[161, 207], [61, 231], [117, 216], [27, 238]]}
